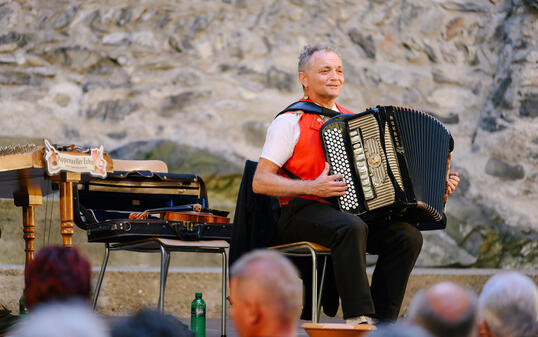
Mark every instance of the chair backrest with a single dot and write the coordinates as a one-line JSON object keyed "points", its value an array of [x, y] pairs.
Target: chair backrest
{"points": [[140, 165]]}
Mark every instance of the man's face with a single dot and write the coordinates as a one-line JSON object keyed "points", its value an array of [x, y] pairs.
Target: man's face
{"points": [[323, 76], [239, 311]]}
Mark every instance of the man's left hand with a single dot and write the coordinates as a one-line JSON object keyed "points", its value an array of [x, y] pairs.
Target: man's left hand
{"points": [[453, 181]]}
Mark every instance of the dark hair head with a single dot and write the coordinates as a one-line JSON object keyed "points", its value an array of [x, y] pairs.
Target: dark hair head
{"points": [[56, 274], [151, 323]]}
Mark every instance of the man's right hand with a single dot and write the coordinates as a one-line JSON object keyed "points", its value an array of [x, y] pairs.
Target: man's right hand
{"points": [[328, 185], [267, 181]]}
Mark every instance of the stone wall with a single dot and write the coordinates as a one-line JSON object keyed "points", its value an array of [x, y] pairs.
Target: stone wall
{"points": [[202, 80]]}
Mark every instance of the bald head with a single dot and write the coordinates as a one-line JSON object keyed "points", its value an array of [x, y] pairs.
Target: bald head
{"points": [[266, 294], [448, 300], [445, 310]]}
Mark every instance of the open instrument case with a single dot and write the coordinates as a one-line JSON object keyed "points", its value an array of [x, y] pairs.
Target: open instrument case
{"points": [[140, 204]]}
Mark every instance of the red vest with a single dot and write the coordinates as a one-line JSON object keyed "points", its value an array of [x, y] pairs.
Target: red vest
{"points": [[308, 158]]}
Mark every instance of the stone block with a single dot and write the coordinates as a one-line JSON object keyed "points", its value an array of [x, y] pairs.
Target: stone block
{"points": [[499, 168], [64, 18], [500, 92], [279, 79], [254, 131], [439, 249], [12, 41], [15, 78], [465, 6], [125, 16], [366, 43], [453, 28], [111, 110], [178, 103], [491, 124], [9, 15], [529, 106], [117, 39]]}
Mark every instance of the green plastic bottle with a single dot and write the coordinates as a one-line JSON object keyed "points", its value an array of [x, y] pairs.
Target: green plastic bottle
{"points": [[22, 308], [198, 316]]}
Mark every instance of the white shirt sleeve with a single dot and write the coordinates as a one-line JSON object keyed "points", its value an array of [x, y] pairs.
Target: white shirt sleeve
{"points": [[282, 136]]}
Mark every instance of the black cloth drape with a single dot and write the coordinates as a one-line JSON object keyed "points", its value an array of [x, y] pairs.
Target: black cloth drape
{"points": [[255, 226]]}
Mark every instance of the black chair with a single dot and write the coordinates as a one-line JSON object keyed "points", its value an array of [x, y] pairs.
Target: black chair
{"points": [[255, 227]]}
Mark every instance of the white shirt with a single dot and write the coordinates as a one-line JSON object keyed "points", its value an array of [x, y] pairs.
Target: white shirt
{"points": [[282, 136]]}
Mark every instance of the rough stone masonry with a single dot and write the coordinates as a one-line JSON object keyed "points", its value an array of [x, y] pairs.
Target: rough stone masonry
{"points": [[197, 82]]}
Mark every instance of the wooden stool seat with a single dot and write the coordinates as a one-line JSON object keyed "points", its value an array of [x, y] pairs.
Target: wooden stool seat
{"points": [[317, 247], [337, 329]]}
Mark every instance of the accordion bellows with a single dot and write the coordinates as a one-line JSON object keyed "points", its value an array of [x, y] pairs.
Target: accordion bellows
{"points": [[394, 160]]}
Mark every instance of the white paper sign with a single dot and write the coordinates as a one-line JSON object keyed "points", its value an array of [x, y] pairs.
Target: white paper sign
{"points": [[93, 163]]}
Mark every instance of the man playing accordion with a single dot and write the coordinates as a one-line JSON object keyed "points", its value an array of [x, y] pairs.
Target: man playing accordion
{"points": [[293, 150]]}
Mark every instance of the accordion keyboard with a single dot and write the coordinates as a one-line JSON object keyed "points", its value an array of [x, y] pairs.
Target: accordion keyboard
{"points": [[341, 165]]}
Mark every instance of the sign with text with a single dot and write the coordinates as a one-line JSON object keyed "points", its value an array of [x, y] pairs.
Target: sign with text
{"points": [[93, 163]]}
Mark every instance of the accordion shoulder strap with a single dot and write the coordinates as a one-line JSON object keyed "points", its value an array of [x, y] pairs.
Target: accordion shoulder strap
{"points": [[309, 108], [290, 174]]}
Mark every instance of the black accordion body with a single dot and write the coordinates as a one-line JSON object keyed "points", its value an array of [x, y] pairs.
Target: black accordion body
{"points": [[394, 161]]}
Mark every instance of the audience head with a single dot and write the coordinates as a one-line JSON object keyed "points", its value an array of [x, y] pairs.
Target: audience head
{"points": [[508, 306], [266, 295], [445, 310], [399, 329], [57, 274], [61, 319], [151, 323]]}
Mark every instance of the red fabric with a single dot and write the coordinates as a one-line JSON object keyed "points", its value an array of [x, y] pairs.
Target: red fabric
{"points": [[308, 158]]}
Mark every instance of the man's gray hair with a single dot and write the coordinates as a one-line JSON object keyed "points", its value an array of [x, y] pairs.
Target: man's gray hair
{"points": [[399, 329], [61, 319], [276, 276], [508, 305], [309, 50], [422, 313]]}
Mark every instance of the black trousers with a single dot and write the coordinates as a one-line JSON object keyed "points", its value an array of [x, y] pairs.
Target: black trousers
{"points": [[397, 244]]}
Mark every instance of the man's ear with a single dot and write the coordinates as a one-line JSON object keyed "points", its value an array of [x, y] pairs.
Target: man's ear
{"points": [[304, 79], [252, 312], [483, 330]]}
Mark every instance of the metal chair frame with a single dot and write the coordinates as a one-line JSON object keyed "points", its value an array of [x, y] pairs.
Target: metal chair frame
{"points": [[165, 247], [305, 249]]}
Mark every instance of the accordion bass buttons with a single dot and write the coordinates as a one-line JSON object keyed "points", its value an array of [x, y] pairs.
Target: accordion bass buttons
{"points": [[361, 163]]}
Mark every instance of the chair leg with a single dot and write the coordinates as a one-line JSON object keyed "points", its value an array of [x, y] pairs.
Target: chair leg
{"points": [[321, 284], [224, 290], [101, 275], [165, 263], [314, 286]]}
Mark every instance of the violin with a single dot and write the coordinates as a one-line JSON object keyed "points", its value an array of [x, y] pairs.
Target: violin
{"points": [[195, 215]]}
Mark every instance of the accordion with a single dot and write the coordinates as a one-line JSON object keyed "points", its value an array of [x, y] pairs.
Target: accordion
{"points": [[394, 161]]}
